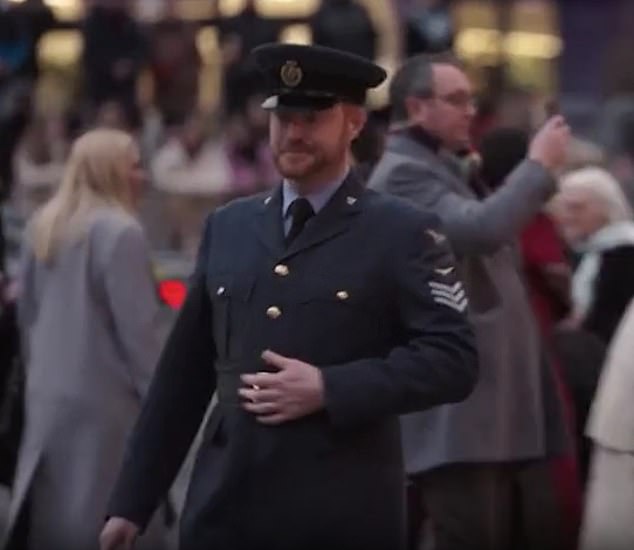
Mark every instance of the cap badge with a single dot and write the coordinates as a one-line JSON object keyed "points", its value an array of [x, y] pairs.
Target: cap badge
{"points": [[291, 74]]}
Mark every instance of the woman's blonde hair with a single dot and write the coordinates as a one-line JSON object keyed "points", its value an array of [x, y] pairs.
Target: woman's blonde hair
{"points": [[93, 178]]}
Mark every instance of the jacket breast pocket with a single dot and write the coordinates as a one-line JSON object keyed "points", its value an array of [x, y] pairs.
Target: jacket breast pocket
{"points": [[230, 296], [332, 311]]}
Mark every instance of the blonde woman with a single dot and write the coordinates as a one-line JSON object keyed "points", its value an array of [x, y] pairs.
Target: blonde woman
{"points": [[87, 312]]}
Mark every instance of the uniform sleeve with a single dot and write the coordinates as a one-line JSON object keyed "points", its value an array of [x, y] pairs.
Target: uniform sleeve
{"points": [[177, 400], [475, 226], [435, 361], [131, 294]]}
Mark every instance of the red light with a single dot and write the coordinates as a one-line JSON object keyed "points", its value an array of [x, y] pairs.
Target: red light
{"points": [[173, 293]]}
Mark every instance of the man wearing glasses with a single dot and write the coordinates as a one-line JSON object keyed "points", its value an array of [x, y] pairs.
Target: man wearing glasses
{"points": [[482, 465]]}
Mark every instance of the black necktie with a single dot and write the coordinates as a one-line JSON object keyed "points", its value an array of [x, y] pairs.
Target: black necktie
{"points": [[301, 211]]}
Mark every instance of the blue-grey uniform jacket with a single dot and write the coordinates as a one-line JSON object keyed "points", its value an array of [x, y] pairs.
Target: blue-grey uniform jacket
{"points": [[369, 294]]}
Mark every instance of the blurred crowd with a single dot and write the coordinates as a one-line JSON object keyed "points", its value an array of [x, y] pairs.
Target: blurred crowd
{"points": [[576, 255], [196, 158]]}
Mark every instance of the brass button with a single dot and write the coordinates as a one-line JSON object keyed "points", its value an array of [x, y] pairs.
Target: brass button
{"points": [[281, 270], [220, 291], [343, 295], [274, 312]]}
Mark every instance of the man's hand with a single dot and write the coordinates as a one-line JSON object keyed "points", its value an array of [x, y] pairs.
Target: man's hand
{"points": [[295, 391], [549, 147], [118, 534]]}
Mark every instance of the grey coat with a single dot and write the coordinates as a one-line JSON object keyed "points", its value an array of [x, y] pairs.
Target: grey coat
{"points": [[514, 412], [88, 324]]}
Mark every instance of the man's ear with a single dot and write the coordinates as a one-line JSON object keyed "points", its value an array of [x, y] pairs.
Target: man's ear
{"points": [[357, 117], [416, 109]]}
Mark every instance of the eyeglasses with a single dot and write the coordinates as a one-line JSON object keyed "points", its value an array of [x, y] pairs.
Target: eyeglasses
{"points": [[459, 100]]}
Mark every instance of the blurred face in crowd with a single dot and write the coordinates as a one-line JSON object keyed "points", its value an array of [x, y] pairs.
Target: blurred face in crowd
{"points": [[236, 131], [112, 115], [312, 147], [580, 213], [450, 110], [193, 135], [256, 116]]}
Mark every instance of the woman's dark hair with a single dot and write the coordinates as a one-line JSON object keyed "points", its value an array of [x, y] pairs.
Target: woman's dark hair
{"points": [[368, 147], [501, 151]]}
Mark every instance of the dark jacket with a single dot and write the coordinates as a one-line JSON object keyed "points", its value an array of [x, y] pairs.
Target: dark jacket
{"points": [[357, 302], [613, 291], [111, 36]]}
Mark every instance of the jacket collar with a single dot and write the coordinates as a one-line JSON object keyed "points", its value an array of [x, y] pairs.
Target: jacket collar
{"points": [[333, 219], [404, 143], [424, 138]]}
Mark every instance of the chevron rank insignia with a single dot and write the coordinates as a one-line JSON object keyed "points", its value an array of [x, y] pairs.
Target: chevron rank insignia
{"points": [[445, 271], [452, 296], [438, 238]]}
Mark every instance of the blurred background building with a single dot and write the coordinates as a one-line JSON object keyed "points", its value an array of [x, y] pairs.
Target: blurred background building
{"points": [[518, 43]]}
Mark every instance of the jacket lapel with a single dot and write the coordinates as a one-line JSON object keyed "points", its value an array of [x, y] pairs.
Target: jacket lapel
{"points": [[269, 227], [332, 220]]}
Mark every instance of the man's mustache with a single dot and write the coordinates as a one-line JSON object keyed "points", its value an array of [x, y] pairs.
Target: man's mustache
{"points": [[296, 148]]}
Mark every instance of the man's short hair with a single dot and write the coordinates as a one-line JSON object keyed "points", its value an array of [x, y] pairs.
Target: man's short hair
{"points": [[415, 78]]}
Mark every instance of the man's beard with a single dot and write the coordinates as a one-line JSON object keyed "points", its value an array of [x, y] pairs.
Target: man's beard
{"points": [[319, 159], [314, 164]]}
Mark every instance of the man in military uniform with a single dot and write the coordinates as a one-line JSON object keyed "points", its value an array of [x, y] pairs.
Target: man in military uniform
{"points": [[319, 313]]}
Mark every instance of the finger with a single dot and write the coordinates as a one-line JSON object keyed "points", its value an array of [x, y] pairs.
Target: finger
{"points": [[110, 542], [557, 120], [273, 419], [275, 359], [261, 408], [261, 379], [259, 396]]}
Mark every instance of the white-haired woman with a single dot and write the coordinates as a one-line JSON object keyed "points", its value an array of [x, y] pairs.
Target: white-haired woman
{"points": [[87, 311], [596, 220]]}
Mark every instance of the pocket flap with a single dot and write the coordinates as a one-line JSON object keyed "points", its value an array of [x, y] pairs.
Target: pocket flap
{"points": [[336, 291], [224, 287]]}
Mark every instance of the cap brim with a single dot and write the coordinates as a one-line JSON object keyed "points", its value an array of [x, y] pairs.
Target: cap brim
{"points": [[299, 102]]}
